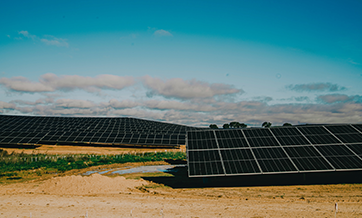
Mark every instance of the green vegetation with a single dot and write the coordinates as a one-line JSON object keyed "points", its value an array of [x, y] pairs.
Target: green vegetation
{"points": [[213, 126], [287, 124], [266, 124], [10, 163], [226, 126], [237, 125], [231, 125]]}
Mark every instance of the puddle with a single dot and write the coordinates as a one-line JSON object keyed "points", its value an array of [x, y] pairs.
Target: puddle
{"points": [[141, 169]]}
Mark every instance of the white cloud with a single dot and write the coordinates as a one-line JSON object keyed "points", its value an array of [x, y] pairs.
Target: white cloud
{"points": [[71, 82], [122, 104], [22, 102], [316, 87], [162, 33], [187, 89], [55, 41], [353, 62], [5, 105], [27, 34], [199, 113], [74, 103], [8, 36], [47, 39], [22, 84], [50, 82], [24, 33], [176, 105]]}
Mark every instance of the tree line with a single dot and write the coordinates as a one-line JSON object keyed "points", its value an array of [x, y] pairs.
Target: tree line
{"points": [[234, 124]]}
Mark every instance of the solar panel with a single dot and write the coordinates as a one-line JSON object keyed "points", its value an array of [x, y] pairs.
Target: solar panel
{"points": [[292, 149], [273, 160], [357, 148], [239, 161], [112, 131], [307, 158]]}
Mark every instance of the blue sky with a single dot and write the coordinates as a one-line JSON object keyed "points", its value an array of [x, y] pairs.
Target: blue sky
{"points": [[186, 62]]}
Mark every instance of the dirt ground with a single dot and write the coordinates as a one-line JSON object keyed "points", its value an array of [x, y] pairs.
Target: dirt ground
{"points": [[136, 195]]}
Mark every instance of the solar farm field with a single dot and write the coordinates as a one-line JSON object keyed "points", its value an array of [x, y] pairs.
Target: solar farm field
{"points": [[278, 172], [171, 194]]}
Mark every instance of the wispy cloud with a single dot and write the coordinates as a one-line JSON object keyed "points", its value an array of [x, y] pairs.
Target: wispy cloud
{"points": [[74, 103], [50, 82], [339, 98], [114, 103], [162, 33], [26, 34], [22, 84], [301, 98], [316, 87], [6, 105], [187, 89], [51, 40], [353, 62], [201, 113], [190, 102], [46, 39]]}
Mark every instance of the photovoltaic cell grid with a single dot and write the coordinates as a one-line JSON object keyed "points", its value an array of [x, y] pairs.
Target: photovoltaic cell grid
{"points": [[122, 131], [274, 150]]}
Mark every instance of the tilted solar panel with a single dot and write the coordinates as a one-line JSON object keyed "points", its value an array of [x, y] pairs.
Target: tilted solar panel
{"points": [[290, 149], [73, 130]]}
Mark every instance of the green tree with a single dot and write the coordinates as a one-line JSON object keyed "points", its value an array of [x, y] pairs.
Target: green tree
{"points": [[213, 126], [287, 124], [266, 124], [226, 126], [234, 125], [243, 125]]}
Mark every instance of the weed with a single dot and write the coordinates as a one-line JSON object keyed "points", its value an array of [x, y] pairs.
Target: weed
{"points": [[21, 161]]}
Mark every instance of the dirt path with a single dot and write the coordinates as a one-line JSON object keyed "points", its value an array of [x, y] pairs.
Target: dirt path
{"points": [[72, 195], [103, 196]]}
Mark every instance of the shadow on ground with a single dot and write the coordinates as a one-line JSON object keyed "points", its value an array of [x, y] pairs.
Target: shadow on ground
{"points": [[180, 179]]}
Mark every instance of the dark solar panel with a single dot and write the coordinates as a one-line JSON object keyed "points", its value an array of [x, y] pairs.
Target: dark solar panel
{"points": [[292, 140], [239, 161], [273, 160], [91, 130], [205, 162], [313, 130], [278, 150], [358, 127], [350, 138], [262, 142], [257, 133], [357, 148], [285, 132], [322, 139], [340, 156], [341, 129]]}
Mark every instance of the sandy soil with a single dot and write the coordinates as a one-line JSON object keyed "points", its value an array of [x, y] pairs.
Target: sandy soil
{"points": [[103, 196], [72, 195]]}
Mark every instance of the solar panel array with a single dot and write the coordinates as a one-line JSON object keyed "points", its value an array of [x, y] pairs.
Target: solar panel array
{"points": [[276, 150], [73, 130]]}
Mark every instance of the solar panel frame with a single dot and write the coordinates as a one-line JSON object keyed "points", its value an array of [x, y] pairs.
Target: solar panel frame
{"points": [[289, 139]]}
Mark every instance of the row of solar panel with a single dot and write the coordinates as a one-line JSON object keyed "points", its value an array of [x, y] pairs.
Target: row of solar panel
{"points": [[120, 138], [281, 131], [198, 140], [93, 122], [275, 160], [148, 131]]}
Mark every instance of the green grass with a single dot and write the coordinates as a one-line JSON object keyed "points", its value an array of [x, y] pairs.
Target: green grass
{"points": [[19, 161]]}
